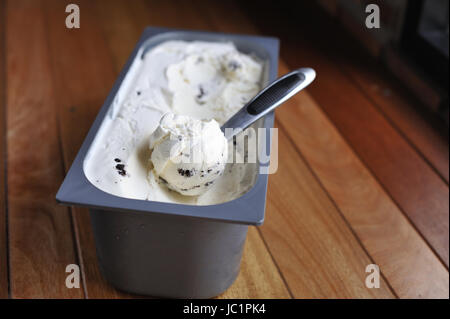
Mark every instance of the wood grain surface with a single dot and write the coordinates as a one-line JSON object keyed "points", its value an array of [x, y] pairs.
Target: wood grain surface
{"points": [[41, 241], [428, 137], [403, 256], [362, 177], [3, 206], [405, 175], [355, 191], [80, 91]]}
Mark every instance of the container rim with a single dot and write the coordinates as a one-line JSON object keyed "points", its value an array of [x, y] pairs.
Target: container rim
{"points": [[76, 189]]}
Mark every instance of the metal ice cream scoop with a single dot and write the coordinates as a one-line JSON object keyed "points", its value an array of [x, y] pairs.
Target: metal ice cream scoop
{"points": [[272, 96]]}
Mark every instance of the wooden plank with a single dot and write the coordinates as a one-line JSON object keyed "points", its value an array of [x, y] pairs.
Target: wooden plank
{"points": [[41, 241], [403, 256], [3, 206], [313, 247], [83, 76], [421, 194], [122, 24]]}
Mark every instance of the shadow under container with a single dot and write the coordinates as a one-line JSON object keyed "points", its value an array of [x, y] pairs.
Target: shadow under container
{"points": [[165, 249]]}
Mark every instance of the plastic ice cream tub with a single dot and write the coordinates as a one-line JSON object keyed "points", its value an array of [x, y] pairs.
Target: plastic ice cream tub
{"points": [[169, 249]]}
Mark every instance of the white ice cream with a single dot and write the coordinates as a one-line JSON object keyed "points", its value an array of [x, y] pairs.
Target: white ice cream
{"points": [[188, 155], [213, 83], [203, 80]]}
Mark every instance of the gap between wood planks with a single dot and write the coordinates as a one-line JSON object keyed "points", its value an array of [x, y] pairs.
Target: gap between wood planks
{"points": [[4, 259]]}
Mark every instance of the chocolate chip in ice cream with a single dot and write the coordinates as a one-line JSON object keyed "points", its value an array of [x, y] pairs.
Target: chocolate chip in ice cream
{"points": [[186, 172], [233, 65], [121, 169], [201, 94]]}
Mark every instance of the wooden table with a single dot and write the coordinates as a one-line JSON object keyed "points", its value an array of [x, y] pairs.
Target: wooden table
{"points": [[362, 176]]}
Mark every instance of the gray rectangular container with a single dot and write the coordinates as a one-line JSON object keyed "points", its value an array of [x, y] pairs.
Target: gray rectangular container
{"points": [[165, 249]]}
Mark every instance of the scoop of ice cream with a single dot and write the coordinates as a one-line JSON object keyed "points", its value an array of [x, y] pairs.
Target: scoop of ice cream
{"points": [[188, 155]]}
